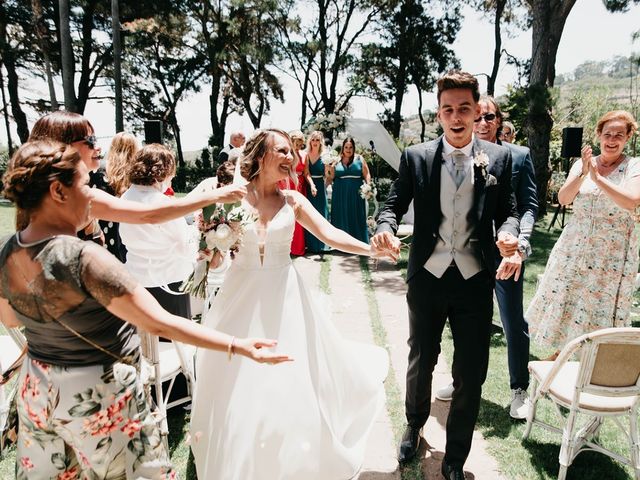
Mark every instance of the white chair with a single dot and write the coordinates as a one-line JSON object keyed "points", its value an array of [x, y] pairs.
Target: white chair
{"points": [[11, 349], [168, 360], [603, 383]]}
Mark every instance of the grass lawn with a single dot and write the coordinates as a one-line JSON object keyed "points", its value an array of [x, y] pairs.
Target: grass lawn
{"points": [[535, 459]]}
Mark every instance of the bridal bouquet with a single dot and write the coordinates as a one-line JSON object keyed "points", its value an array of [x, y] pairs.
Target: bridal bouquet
{"points": [[221, 229]]}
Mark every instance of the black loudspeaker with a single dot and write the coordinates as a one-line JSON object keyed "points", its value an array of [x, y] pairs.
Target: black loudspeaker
{"points": [[152, 131], [571, 142]]}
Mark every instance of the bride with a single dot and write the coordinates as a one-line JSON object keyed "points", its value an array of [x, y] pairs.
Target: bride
{"points": [[308, 419]]}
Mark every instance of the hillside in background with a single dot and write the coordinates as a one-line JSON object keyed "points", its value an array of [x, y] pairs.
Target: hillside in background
{"points": [[581, 97]]}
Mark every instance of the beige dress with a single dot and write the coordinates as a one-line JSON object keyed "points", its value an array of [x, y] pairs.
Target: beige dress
{"points": [[589, 279]]}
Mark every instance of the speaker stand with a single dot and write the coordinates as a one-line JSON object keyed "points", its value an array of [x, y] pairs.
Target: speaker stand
{"points": [[560, 208]]}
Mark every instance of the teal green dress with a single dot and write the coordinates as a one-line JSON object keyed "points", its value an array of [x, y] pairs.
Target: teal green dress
{"points": [[348, 210], [319, 202]]}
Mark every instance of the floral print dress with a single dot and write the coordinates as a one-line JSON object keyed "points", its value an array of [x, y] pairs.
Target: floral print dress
{"points": [[589, 279]]}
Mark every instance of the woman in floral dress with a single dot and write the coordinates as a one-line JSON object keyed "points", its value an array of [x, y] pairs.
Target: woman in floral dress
{"points": [[589, 279], [82, 406]]}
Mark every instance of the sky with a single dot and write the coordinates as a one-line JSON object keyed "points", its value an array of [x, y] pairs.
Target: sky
{"points": [[591, 33]]}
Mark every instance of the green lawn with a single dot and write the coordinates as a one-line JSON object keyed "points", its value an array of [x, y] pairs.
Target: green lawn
{"points": [[535, 459]]}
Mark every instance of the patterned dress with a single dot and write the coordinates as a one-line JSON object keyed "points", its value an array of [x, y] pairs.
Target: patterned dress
{"points": [[348, 208], [83, 408], [589, 279], [319, 202]]}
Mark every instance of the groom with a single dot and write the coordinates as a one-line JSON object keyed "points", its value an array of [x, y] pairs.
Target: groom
{"points": [[461, 187]]}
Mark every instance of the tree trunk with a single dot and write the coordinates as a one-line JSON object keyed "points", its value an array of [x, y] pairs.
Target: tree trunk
{"points": [[67, 58], [176, 133], [497, 51], [548, 20], [8, 59], [423, 123], [5, 111], [400, 89], [41, 30], [117, 72]]}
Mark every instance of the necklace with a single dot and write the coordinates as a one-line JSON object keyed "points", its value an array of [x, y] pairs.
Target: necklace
{"points": [[606, 169]]}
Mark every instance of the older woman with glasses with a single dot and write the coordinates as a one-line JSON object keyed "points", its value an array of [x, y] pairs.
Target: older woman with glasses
{"points": [[589, 279], [74, 129]]}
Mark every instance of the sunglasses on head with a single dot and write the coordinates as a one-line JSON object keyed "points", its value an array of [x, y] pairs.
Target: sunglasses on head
{"points": [[90, 140], [488, 117]]}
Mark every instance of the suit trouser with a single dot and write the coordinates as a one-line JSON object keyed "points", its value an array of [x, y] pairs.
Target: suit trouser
{"points": [[468, 304], [516, 329]]}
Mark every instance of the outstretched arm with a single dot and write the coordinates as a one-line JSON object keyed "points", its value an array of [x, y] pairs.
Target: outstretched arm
{"points": [[108, 207], [315, 223], [109, 283]]}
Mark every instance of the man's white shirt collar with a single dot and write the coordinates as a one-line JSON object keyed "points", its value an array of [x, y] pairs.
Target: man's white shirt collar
{"points": [[447, 148]]}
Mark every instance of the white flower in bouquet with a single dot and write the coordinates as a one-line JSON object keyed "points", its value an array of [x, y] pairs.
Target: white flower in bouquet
{"points": [[221, 238]]}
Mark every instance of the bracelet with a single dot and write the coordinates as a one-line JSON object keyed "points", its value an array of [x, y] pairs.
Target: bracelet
{"points": [[231, 348]]}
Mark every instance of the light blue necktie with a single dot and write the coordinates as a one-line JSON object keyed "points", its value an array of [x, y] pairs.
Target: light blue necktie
{"points": [[459, 160]]}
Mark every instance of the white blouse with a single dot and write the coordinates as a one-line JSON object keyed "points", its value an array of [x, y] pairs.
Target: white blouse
{"points": [[159, 254]]}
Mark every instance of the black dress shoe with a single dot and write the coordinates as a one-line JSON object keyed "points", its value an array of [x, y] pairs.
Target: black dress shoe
{"points": [[449, 472], [409, 444]]}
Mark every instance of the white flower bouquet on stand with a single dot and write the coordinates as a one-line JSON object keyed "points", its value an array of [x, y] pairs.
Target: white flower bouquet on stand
{"points": [[330, 158], [369, 192]]}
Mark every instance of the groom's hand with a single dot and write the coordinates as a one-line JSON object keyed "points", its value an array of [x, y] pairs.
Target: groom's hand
{"points": [[507, 244], [510, 266], [384, 243]]}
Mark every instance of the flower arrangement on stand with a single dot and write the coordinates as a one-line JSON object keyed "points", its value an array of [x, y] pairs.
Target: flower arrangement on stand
{"points": [[221, 227], [369, 192]]}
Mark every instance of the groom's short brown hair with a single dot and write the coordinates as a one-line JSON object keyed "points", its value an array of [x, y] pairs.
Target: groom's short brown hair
{"points": [[457, 79]]}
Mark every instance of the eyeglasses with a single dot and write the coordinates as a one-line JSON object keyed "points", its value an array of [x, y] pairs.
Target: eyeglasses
{"points": [[488, 117], [90, 140]]}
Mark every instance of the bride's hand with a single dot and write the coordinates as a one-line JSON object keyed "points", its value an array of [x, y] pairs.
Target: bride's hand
{"points": [[229, 194], [256, 349]]}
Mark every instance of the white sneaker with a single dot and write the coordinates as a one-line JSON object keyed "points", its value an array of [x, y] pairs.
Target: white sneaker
{"points": [[445, 394], [519, 404]]}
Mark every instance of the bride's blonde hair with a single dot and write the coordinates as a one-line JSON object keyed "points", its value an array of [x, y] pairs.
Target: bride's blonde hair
{"points": [[257, 147]]}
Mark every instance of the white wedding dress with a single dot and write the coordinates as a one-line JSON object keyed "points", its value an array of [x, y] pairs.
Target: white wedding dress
{"points": [[306, 419]]}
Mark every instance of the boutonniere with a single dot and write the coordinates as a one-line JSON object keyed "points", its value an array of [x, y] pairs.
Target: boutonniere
{"points": [[481, 160]]}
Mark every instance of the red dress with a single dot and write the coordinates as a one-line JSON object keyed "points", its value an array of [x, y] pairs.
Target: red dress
{"points": [[297, 244]]}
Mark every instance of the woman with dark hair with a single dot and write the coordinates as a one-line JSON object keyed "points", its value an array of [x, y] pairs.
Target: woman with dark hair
{"points": [[309, 420], [75, 130], [348, 208], [83, 410], [148, 260]]}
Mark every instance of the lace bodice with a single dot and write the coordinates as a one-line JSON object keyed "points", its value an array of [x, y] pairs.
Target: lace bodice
{"points": [[274, 253]]}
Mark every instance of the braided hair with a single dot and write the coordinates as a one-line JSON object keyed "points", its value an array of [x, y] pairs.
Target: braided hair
{"points": [[32, 169]]}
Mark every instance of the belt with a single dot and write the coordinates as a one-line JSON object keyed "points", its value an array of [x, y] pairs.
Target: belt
{"points": [[317, 176]]}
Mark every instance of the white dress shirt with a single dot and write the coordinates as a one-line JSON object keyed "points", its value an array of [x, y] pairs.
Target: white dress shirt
{"points": [[159, 254], [448, 149]]}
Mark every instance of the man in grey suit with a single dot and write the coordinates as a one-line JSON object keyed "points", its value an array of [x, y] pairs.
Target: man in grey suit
{"points": [[461, 188], [509, 292]]}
